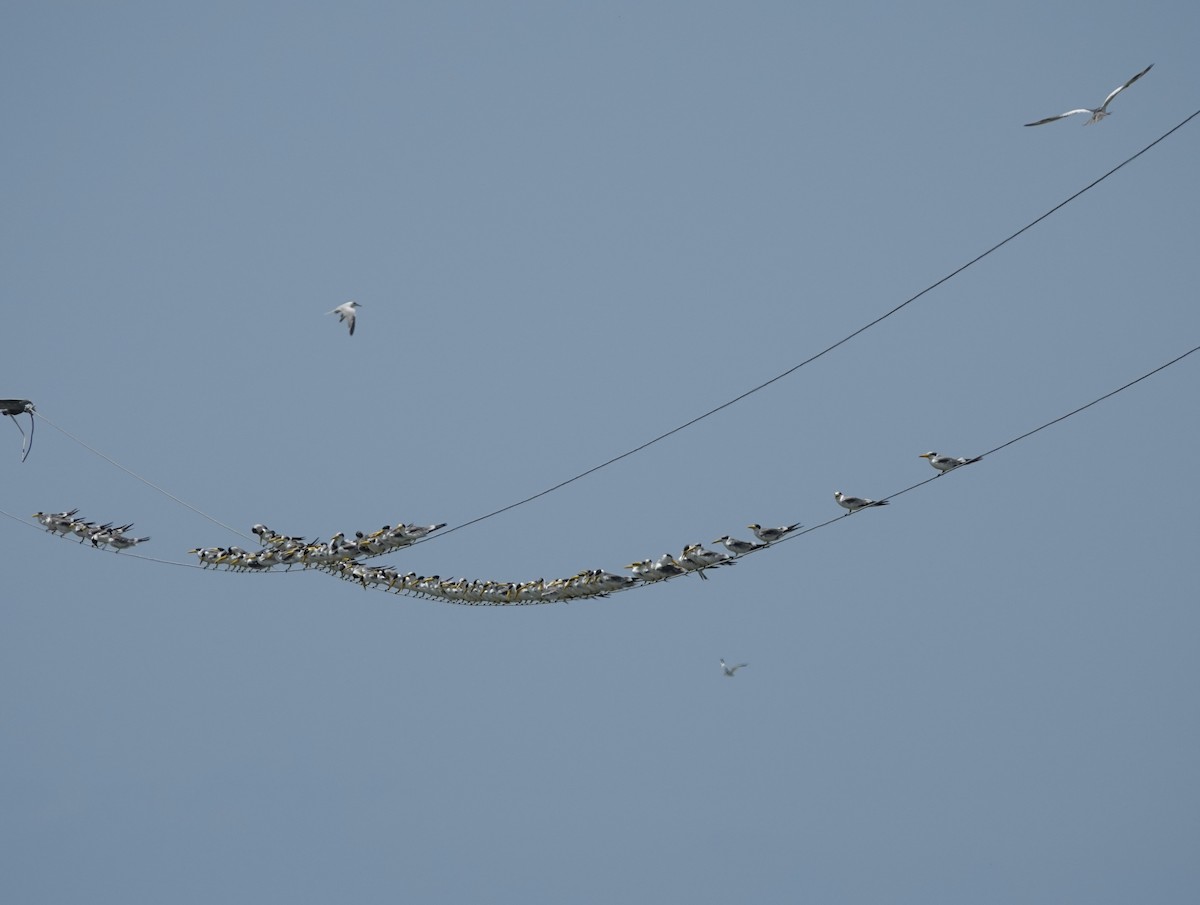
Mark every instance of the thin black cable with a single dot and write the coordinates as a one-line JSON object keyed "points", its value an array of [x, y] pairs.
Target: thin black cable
{"points": [[1093, 402], [797, 534], [149, 484], [809, 530], [1007, 443], [823, 352]]}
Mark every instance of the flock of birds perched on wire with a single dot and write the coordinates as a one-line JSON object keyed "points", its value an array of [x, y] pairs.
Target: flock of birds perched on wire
{"points": [[345, 557]]}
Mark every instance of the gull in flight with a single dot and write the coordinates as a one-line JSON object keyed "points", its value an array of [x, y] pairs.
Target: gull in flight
{"points": [[346, 314], [770, 535], [730, 670], [947, 463], [1100, 112], [854, 503]]}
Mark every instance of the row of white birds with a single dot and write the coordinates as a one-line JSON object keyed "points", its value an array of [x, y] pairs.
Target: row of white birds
{"points": [[107, 535], [344, 558]]}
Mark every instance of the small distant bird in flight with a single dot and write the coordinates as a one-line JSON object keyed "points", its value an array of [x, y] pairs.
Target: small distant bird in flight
{"points": [[730, 670], [346, 314], [1100, 112], [854, 503], [770, 535], [947, 463]]}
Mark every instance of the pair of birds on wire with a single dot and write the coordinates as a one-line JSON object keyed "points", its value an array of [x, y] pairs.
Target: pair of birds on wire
{"points": [[941, 463]]}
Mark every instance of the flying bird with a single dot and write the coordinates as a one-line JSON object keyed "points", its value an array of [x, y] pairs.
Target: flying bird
{"points": [[346, 314], [730, 670], [1100, 112], [770, 535], [854, 503], [947, 463]]}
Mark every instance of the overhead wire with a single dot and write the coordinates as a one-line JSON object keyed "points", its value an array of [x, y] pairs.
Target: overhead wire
{"points": [[793, 536], [838, 518], [845, 339], [1006, 443], [148, 483]]}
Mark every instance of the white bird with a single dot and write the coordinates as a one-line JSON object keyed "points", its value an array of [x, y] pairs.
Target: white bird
{"points": [[730, 670], [854, 503], [56, 522], [667, 566], [738, 547], [1100, 112], [416, 532], [947, 463], [696, 558], [121, 542], [770, 535], [346, 314]]}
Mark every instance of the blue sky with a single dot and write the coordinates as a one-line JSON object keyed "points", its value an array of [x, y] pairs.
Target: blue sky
{"points": [[571, 228]]}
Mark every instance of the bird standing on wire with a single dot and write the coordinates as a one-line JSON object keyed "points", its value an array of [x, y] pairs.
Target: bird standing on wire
{"points": [[770, 535], [737, 547], [854, 503], [346, 314], [947, 463], [1100, 112]]}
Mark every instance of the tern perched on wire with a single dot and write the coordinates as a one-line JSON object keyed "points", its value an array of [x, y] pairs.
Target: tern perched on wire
{"points": [[738, 547], [730, 670], [854, 503], [346, 314], [947, 463], [1100, 112], [770, 535]]}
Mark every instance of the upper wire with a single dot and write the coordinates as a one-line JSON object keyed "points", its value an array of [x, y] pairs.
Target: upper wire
{"points": [[822, 353], [149, 484]]}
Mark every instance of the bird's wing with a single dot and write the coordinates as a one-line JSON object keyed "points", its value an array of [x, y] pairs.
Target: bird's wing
{"points": [[350, 318], [1117, 91], [1050, 119]]}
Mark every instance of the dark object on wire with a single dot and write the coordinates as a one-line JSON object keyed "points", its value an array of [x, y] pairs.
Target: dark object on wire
{"points": [[14, 407]]}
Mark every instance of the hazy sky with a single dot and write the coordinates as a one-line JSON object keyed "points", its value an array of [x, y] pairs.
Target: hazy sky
{"points": [[572, 227]]}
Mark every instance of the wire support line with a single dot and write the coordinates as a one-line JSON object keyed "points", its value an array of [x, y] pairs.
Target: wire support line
{"points": [[149, 484], [827, 349]]}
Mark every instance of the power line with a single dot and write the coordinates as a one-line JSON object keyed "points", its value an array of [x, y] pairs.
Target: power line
{"points": [[134, 474], [1008, 443], [797, 534], [823, 352], [819, 526]]}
